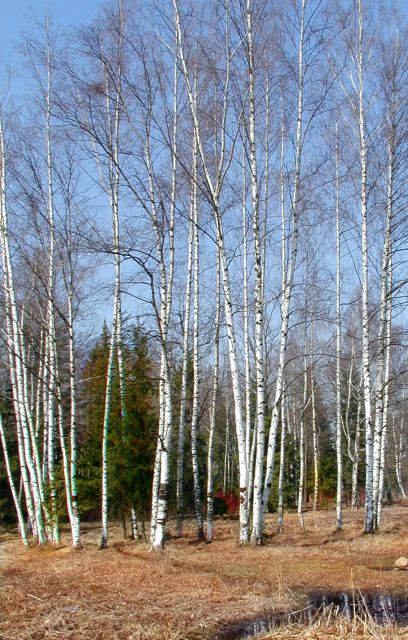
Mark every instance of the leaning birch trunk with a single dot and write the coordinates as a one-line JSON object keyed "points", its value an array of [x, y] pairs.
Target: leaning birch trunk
{"points": [[23, 459], [20, 517], [214, 192], [30, 472], [183, 391], [339, 456], [286, 298], [398, 446], [213, 409], [27, 419]]}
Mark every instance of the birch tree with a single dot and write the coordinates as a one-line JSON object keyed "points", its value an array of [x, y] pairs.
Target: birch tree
{"points": [[214, 187]]}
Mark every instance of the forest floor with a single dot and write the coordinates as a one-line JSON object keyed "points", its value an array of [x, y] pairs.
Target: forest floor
{"points": [[195, 590]]}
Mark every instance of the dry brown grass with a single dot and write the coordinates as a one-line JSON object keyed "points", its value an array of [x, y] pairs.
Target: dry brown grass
{"points": [[331, 627], [193, 589]]}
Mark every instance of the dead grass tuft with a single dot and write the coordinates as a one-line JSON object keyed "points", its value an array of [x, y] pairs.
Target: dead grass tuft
{"points": [[329, 625]]}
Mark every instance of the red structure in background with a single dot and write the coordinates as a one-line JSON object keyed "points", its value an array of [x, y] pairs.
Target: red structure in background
{"points": [[231, 501]]}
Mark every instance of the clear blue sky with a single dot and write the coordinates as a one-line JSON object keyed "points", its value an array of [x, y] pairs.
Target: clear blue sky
{"points": [[15, 16]]}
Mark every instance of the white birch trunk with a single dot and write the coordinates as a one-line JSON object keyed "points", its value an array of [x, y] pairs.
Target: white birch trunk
{"points": [[315, 437], [20, 517], [33, 489], [113, 122], [286, 299], [246, 314], [381, 358], [386, 384], [105, 433], [302, 443], [369, 505], [196, 355], [213, 410], [225, 483], [75, 526], [133, 524], [398, 447], [161, 467], [258, 506], [282, 462], [183, 390], [229, 315], [339, 452]]}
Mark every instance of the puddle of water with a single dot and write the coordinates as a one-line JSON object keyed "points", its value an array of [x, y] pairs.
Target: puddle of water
{"points": [[384, 609]]}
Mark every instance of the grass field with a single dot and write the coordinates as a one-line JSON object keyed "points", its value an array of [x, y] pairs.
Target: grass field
{"points": [[194, 590]]}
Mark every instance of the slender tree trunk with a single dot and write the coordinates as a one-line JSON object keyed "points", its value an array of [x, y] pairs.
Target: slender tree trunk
{"points": [[282, 463], [369, 505], [246, 315], [286, 299], [30, 473], [76, 527], [20, 517], [196, 366], [105, 432], [183, 390], [302, 462], [214, 192], [315, 437], [258, 506], [339, 453], [356, 455], [161, 468], [51, 311], [213, 410], [398, 454], [225, 483], [386, 383], [133, 524]]}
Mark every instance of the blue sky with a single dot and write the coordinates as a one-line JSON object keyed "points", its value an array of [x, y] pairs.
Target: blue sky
{"points": [[15, 16]]}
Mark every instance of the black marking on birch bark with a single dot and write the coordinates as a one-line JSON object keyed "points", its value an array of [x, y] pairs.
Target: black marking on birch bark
{"points": [[162, 491]]}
